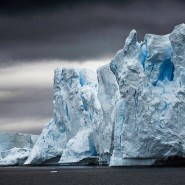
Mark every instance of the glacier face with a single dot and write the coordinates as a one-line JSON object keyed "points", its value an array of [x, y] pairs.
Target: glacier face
{"points": [[149, 115], [50, 144], [131, 112], [108, 95], [77, 111]]}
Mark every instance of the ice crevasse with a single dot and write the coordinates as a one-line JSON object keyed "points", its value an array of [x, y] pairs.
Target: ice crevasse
{"points": [[131, 112]]}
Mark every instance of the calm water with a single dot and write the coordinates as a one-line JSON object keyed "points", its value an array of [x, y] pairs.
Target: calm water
{"points": [[74, 175]]}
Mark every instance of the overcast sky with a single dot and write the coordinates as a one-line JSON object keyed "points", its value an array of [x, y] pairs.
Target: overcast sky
{"points": [[36, 36]]}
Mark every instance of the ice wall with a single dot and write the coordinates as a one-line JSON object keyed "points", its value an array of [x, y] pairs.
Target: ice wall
{"points": [[149, 115], [108, 94], [77, 111]]}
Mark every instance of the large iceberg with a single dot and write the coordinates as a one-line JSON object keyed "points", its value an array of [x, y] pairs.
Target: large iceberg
{"points": [[131, 112], [149, 120]]}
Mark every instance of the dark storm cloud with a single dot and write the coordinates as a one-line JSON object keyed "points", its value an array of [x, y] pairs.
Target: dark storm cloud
{"points": [[22, 6], [24, 103], [77, 30], [25, 110]]}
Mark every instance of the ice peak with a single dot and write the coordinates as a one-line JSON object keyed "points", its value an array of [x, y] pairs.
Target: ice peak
{"points": [[130, 42]]}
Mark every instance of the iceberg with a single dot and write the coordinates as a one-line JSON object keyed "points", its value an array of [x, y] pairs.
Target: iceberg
{"points": [[130, 112], [15, 156], [77, 111], [151, 106], [15, 148]]}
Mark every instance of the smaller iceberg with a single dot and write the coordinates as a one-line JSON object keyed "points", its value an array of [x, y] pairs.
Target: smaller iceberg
{"points": [[15, 148]]}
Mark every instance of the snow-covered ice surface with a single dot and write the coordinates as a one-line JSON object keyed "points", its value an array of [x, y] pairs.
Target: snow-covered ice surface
{"points": [[50, 144], [131, 112], [15, 147], [9, 140], [15, 156]]}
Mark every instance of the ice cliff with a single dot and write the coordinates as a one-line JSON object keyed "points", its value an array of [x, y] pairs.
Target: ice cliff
{"points": [[131, 112], [149, 118], [108, 94], [72, 133]]}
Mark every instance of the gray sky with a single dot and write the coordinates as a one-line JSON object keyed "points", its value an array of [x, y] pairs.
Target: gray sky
{"points": [[38, 36]]}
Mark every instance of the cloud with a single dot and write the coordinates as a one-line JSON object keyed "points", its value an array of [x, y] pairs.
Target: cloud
{"points": [[31, 126], [84, 31], [39, 74]]}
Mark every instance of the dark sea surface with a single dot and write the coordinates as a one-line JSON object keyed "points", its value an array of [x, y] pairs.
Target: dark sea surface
{"points": [[57, 175]]}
